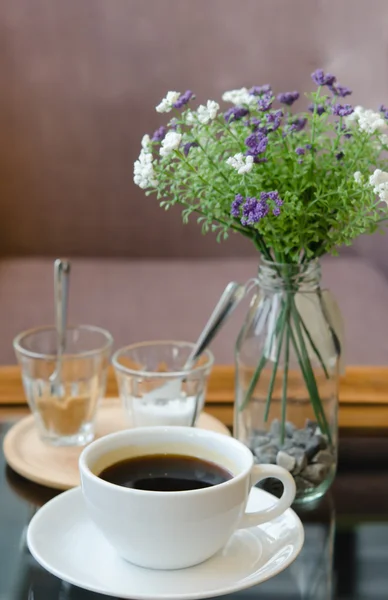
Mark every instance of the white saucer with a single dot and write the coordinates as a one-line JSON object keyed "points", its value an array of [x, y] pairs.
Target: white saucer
{"points": [[63, 539]]}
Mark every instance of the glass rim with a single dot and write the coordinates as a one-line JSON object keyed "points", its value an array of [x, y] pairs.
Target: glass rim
{"points": [[18, 347], [162, 375]]}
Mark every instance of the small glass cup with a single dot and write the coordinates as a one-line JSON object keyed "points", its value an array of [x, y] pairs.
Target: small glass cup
{"points": [[155, 388], [64, 409]]}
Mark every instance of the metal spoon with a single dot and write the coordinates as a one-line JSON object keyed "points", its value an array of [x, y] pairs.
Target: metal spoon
{"points": [[172, 390], [232, 295], [61, 295]]}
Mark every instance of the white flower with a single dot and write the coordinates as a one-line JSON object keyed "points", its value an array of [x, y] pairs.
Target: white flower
{"points": [[207, 113], [354, 116], [143, 170], [170, 143], [242, 164], [145, 141], [203, 114], [241, 96], [371, 121], [382, 192], [167, 103], [379, 181], [378, 177], [190, 117], [357, 177], [368, 120], [384, 139]]}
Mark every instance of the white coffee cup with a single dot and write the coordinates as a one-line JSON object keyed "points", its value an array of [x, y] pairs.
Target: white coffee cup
{"points": [[173, 530]]}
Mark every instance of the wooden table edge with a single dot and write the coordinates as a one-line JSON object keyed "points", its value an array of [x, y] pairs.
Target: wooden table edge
{"points": [[363, 394]]}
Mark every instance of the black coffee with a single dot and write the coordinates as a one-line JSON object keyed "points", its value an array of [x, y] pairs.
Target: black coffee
{"points": [[165, 473]]}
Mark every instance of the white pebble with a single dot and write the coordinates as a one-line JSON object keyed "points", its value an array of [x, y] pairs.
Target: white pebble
{"points": [[285, 460]]}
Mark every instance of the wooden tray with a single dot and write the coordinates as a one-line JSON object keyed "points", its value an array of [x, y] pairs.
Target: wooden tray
{"points": [[58, 467]]}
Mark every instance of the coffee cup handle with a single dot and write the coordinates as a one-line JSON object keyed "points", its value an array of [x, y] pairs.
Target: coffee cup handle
{"points": [[258, 473]]}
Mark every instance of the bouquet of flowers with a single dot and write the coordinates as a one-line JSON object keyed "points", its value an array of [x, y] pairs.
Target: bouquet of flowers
{"points": [[298, 184]]}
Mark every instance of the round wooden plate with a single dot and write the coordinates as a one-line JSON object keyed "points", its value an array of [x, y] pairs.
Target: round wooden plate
{"points": [[57, 467]]}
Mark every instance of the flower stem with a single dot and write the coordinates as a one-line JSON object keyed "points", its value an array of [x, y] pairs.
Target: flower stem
{"points": [[314, 116], [285, 377], [305, 375], [308, 372], [260, 245], [211, 161], [262, 362], [188, 163], [282, 327], [228, 130], [314, 348]]}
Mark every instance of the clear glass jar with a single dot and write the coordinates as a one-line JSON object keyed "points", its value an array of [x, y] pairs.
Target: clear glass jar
{"points": [[287, 365]]}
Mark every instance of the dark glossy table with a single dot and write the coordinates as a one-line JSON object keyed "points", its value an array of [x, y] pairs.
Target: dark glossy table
{"points": [[345, 555]]}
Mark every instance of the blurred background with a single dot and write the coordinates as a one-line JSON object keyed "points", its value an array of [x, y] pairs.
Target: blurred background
{"points": [[79, 81]]}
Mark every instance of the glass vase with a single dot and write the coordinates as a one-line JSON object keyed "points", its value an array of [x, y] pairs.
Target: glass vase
{"points": [[287, 366]]}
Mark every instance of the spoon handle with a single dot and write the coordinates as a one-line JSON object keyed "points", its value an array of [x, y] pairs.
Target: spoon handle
{"points": [[61, 293], [233, 293]]}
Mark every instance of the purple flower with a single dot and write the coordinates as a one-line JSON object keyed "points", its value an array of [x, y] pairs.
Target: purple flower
{"points": [[257, 143], [265, 102], [260, 159], [288, 98], [251, 140], [188, 146], [342, 110], [173, 124], [253, 211], [259, 148], [183, 99], [274, 119], [339, 155], [320, 78], [319, 108], [235, 209], [257, 125], [235, 113], [383, 109], [298, 124], [274, 196], [295, 126], [300, 151], [340, 90], [308, 146], [159, 134], [257, 90], [346, 132]]}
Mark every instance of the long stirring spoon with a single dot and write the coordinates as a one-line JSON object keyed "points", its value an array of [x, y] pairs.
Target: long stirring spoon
{"points": [[172, 390], [61, 296], [232, 295]]}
